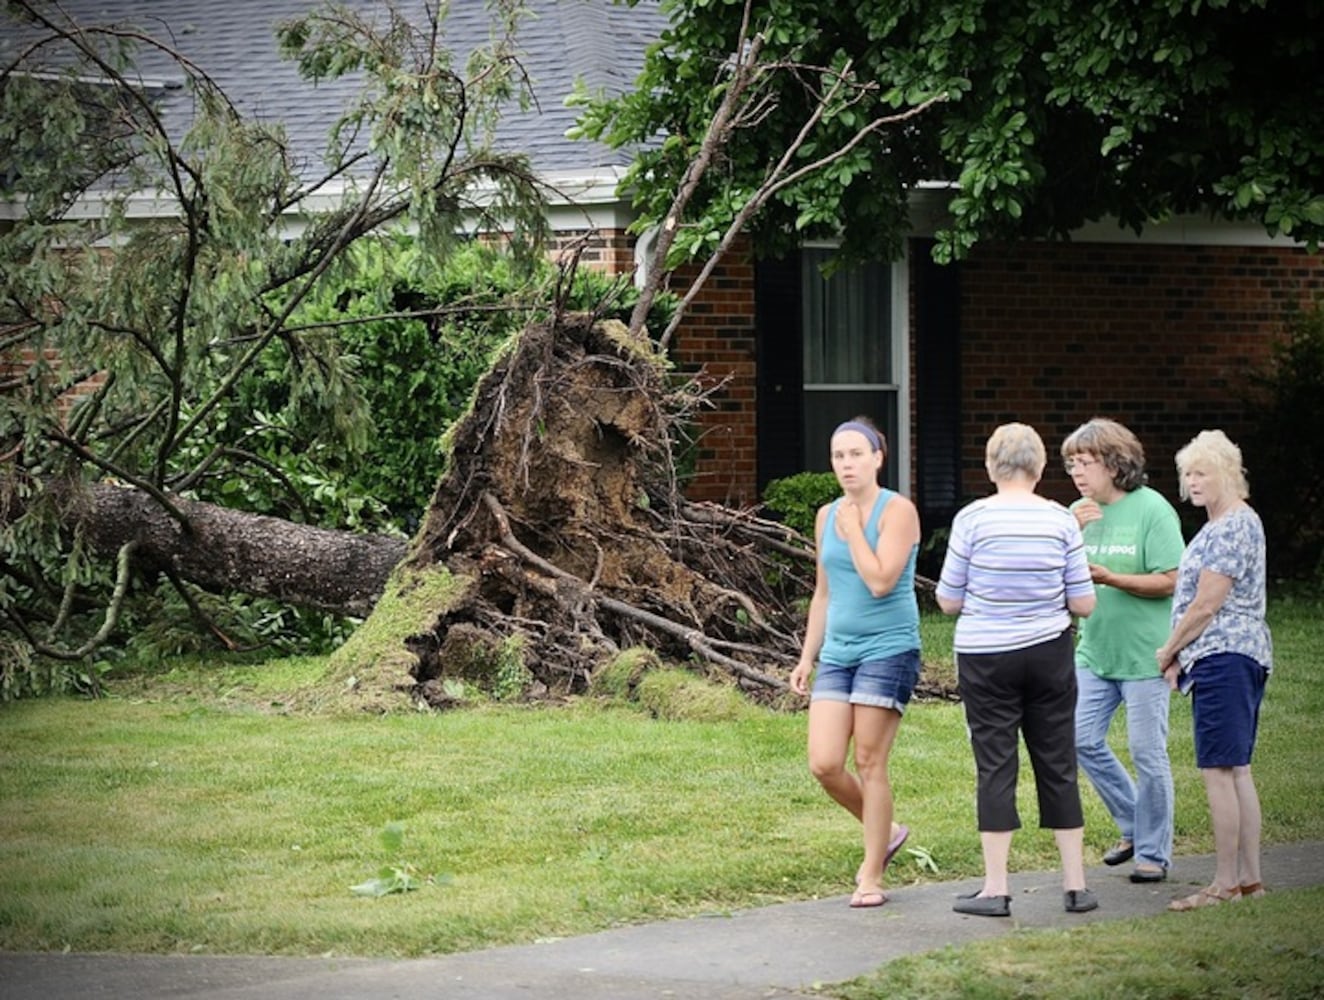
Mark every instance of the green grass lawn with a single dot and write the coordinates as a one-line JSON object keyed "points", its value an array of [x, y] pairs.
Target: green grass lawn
{"points": [[1268, 949], [187, 812]]}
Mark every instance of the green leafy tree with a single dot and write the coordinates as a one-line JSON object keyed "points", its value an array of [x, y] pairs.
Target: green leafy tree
{"points": [[1044, 115]]}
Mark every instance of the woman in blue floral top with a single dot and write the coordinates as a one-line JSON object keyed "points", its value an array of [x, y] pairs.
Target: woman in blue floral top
{"points": [[1221, 651]]}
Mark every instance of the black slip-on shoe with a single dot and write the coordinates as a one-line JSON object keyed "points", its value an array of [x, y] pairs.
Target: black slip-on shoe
{"points": [[1148, 873], [1079, 901], [1120, 853], [983, 906]]}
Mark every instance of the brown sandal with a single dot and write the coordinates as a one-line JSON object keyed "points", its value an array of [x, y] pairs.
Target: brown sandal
{"points": [[1209, 896], [867, 898], [1252, 890]]}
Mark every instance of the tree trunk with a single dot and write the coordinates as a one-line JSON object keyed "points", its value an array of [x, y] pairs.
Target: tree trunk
{"points": [[227, 550]]}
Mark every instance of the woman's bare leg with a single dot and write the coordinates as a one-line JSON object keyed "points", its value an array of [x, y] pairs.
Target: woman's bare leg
{"points": [[1220, 788], [1071, 848], [831, 724], [1248, 841], [996, 845], [875, 732]]}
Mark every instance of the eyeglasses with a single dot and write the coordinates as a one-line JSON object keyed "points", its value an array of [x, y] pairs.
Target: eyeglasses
{"points": [[1076, 462]]}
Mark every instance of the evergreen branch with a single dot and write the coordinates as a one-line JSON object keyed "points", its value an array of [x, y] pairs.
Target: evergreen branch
{"points": [[275, 471], [124, 566]]}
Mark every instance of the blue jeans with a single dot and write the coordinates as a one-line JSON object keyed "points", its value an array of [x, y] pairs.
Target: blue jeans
{"points": [[1141, 808]]}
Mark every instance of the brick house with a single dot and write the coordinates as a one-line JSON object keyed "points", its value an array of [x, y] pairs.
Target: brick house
{"points": [[1158, 331]]}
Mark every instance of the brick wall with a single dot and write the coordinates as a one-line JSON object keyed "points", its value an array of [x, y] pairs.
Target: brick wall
{"points": [[611, 251], [1159, 337], [716, 342]]}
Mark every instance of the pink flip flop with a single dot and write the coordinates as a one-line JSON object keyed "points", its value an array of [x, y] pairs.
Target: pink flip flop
{"points": [[867, 898]]}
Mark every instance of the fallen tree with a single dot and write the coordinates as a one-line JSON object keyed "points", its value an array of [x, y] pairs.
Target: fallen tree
{"points": [[224, 550]]}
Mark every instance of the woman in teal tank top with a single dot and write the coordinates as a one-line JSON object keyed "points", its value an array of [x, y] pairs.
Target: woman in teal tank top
{"points": [[861, 645]]}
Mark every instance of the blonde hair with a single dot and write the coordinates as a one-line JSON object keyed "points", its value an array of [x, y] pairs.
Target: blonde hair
{"points": [[1214, 454], [1015, 449]]}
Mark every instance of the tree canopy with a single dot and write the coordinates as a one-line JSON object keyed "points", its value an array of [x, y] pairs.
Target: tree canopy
{"points": [[1047, 114]]}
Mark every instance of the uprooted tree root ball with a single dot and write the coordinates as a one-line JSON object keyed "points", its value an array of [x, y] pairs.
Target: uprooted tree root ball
{"points": [[560, 507]]}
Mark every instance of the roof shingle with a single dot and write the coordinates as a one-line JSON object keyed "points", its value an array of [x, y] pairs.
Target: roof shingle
{"points": [[234, 43]]}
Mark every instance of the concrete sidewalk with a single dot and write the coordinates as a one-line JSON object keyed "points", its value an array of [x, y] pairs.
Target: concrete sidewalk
{"points": [[774, 952]]}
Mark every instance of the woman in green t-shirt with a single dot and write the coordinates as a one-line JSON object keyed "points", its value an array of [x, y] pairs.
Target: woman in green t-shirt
{"points": [[1133, 542]]}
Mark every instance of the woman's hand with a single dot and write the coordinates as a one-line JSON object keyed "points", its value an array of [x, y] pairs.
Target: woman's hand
{"points": [[1087, 511], [1168, 665], [800, 677], [850, 519]]}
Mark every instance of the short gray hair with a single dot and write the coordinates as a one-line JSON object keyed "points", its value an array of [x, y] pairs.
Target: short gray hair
{"points": [[1015, 449]]}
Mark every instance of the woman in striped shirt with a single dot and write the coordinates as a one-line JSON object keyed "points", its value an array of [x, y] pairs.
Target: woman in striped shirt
{"points": [[1016, 573]]}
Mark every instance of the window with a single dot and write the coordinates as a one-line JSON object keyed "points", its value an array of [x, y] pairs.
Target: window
{"points": [[853, 335]]}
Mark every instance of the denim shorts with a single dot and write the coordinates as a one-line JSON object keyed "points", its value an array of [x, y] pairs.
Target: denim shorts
{"points": [[885, 683], [1226, 709]]}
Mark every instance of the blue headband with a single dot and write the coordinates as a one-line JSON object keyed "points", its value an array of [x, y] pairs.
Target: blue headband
{"points": [[869, 433]]}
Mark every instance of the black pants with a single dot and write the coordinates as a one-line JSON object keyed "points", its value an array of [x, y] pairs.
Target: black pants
{"points": [[1032, 691]]}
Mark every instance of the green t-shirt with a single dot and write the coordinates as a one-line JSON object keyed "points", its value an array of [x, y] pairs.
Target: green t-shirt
{"points": [[1139, 533]]}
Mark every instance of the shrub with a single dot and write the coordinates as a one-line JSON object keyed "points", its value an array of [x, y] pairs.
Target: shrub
{"points": [[1285, 464], [350, 434], [796, 499]]}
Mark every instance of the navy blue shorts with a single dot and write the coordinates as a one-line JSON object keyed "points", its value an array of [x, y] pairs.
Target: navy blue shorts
{"points": [[885, 683], [1225, 706]]}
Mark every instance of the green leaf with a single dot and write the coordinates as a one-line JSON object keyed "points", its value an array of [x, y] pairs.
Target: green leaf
{"points": [[1313, 211], [1119, 135]]}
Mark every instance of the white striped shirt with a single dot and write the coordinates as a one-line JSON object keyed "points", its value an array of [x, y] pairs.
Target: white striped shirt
{"points": [[1013, 563]]}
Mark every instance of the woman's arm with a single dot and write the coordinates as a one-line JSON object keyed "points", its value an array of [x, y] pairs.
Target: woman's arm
{"points": [[950, 606], [898, 534], [1082, 607], [952, 578], [1137, 584], [1077, 578], [1211, 591]]}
